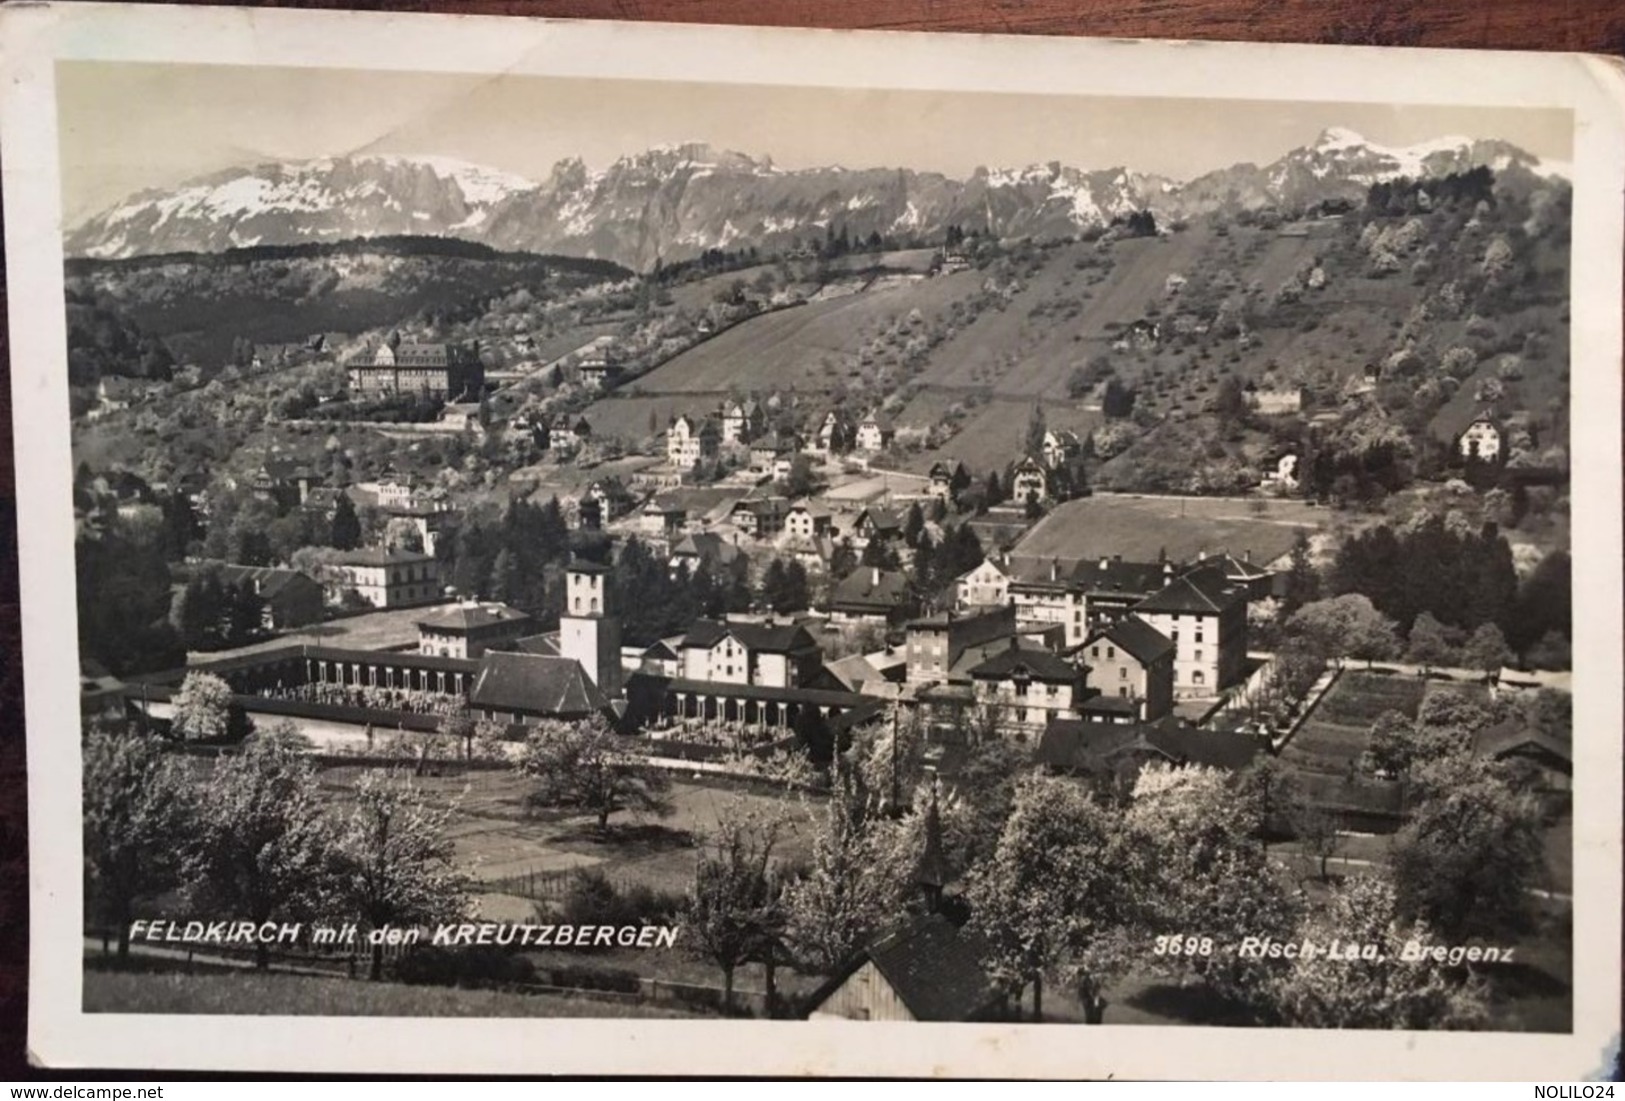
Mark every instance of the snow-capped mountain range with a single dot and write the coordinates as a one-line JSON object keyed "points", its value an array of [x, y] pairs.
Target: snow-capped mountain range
{"points": [[672, 202]]}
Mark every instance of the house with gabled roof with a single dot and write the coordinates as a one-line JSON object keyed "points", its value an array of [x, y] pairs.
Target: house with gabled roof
{"points": [[703, 548], [1204, 614], [526, 688], [834, 433], [1027, 687], [761, 517], [1060, 447], [1481, 438], [1118, 751], [869, 594], [1549, 760], [927, 969], [1029, 481], [948, 478], [876, 523], [767, 655], [291, 598], [1132, 662], [985, 586], [741, 420], [690, 440], [875, 432]]}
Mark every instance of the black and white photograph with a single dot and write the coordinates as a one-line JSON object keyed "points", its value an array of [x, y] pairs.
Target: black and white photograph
{"points": [[603, 541]]}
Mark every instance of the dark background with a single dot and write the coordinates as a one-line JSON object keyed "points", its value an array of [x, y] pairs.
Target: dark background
{"points": [[1595, 26]]}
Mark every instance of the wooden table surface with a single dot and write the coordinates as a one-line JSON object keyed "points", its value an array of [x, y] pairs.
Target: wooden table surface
{"points": [[1596, 26]]}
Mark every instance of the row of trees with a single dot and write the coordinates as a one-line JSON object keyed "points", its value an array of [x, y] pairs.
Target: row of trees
{"points": [[1073, 888], [1437, 574], [255, 838]]}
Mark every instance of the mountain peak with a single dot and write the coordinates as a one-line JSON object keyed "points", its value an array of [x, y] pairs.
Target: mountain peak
{"points": [[1338, 137]]}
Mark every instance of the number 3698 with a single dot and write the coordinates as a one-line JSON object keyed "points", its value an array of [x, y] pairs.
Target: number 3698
{"points": [[1183, 946]]}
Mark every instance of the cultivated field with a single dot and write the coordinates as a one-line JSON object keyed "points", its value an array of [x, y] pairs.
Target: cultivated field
{"points": [[497, 838], [991, 437], [788, 348], [1335, 736], [1142, 528]]}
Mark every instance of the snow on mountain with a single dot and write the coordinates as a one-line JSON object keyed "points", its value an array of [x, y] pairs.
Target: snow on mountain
{"points": [[673, 201]]}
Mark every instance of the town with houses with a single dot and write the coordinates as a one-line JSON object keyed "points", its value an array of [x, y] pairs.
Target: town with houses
{"points": [[1183, 597]]}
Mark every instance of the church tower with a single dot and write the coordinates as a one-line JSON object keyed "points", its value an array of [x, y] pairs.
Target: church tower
{"points": [[590, 625]]}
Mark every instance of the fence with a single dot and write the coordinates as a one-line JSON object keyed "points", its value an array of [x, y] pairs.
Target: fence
{"points": [[550, 885]]}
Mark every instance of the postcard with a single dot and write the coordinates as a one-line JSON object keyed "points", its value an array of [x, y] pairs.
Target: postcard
{"points": [[591, 547]]}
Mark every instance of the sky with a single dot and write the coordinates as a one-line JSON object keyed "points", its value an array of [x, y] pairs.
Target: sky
{"points": [[197, 119]]}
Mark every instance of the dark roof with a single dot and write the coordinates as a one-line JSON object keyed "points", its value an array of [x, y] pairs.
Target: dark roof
{"points": [[1204, 590], [1039, 664], [546, 644], [707, 546], [535, 684], [466, 617], [881, 519], [268, 581], [1116, 575], [1510, 735], [870, 588], [378, 556], [937, 971], [1091, 743], [586, 565], [771, 638], [1135, 637], [760, 506], [1108, 705]]}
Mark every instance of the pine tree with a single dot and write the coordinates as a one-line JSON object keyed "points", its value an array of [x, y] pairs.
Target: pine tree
{"points": [[913, 525], [1036, 431], [346, 531], [772, 590], [504, 584], [1302, 581]]}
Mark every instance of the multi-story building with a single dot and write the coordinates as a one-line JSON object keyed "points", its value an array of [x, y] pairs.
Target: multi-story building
{"points": [[1045, 594], [936, 643], [874, 433], [468, 630], [803, 521], [1026, 688], [761, 517], [986, 586], [1481, 439], [1060, 447], [948, 477], [690, 440], [1204, 613], [388, 578], [869, 595], [741, 421], [447, 372], [1133, 661], [766, 655], [1029, 481]]}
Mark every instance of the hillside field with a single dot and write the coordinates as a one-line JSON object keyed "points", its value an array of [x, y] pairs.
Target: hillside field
{"points": [[1141, 529]]}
